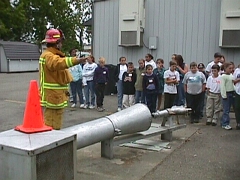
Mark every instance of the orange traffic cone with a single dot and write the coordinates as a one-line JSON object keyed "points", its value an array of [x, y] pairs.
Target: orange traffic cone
{"points": [[33, 117]]}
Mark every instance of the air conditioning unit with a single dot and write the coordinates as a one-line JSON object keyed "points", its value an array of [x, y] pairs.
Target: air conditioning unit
{"points": [[131, 22], [230, 24]]}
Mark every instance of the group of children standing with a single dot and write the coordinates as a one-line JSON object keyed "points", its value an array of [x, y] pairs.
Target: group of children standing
{"points": [[145, 84], [92, 78], [180, 86]]}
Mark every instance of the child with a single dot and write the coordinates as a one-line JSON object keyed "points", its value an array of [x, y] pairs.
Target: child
{"points": [[217, 60], [150, 88], [149, 61], [201, 68], [213, 105], [227, 93], [88, 73], [128, 82], [236, 77], [182, 68], [194, 85], [140, 72], [121, 68], [171, 77], [76, 85], [159, 71], [100, 79]]}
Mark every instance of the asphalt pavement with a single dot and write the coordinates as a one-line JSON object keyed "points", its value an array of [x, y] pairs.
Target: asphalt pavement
{"points": [[197, 152]]}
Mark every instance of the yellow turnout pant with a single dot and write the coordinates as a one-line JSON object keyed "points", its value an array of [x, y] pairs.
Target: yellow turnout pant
{"points": [[53, 118]]}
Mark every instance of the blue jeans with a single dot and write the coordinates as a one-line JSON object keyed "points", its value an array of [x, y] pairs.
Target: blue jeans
{"points": [[76, 88], [89, 88], [227, 103], [180, 97], [140, 97], [120, 93]]}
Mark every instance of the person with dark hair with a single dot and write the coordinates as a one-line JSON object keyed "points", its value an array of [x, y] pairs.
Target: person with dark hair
{"points": [[88, 73], [217, 60], [149, 60], [194, 84], [54, 78], [121, 68], [159, 72], [213, 105], [128, 81], [182, 68], [140, 72], [172, 78], [150, 88], [73, 52], [173, 57], [228, 94]]}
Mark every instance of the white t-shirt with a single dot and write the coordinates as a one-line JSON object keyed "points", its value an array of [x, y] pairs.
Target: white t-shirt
{"points": [[236, 75], [213, 84], [194, 82], [171, 88], [209, 67], [88, 71], [123, 68], [152, 63]]}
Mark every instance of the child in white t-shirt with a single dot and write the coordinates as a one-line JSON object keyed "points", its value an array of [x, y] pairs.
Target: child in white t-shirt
{"points": [[213, 104], [172, 78]]}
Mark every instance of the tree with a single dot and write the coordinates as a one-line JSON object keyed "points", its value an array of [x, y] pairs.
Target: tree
{"points": [[28, 20], [12, 18], [46, 14]]}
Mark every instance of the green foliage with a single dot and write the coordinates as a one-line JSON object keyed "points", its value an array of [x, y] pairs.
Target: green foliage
{"points": [[11, 20], [28, 20]]}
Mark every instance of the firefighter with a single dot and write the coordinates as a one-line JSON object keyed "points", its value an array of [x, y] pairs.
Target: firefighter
{"points": [[54, 78]]}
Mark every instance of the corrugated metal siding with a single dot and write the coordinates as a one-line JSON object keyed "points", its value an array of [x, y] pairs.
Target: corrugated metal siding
{"points": [[187, 27]]}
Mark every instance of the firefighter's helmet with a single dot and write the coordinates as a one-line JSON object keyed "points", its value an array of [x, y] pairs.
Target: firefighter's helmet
{"points": [[53, 36]]}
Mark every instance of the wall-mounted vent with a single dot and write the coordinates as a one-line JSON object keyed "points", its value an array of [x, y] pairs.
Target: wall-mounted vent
{"points": [[230, 24], [231, 38], [131, 22]]}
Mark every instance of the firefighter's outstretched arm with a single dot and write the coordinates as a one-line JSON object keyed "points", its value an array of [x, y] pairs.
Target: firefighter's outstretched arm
{"points": [[56, 62]]}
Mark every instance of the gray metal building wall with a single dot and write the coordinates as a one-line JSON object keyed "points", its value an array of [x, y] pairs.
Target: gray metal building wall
{"points": [[187, 27]]}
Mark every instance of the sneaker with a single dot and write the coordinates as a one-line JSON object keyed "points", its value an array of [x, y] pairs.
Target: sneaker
{"points": [[73, 105], [208, 123], [91, 107], [81, 106], [214, 124], [100, 109], [85, 106], [119, 109], [227, 127]]}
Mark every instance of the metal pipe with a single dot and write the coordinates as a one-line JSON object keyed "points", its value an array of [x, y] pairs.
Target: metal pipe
{"points": [[175, 110], [134, 119]]}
